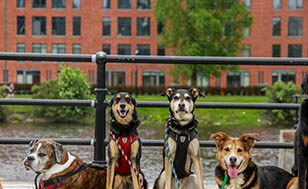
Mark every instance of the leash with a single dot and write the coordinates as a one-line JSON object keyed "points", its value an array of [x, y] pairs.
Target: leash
{"points": [[225, 181], [35, 180], [127, 159], [168, 152]]}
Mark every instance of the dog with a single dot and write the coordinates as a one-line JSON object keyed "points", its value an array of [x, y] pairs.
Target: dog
{"points": [[182, 141], [61, 168], [234, 159], [301, 141], [123, 130]]}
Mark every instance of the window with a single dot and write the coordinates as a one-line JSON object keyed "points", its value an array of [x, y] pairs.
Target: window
{"points": [[143, 26], [38, 48], [20, 4], [124, 50], [106, 4], [39, 25], [91, 76], [277, 4], [202, 81], [76, 26], [217, 81], [276, 51], [276, 26], [58, 26], [21, 25], [115, 78], [295, 4], [48, 75], [76, 4], [58, 48], [124, 26], [161, 51], [143, 50], [238, 78], [5, 76], [283, 75], [294, 50], [106, 48], [58, 4], [38, 3], [29, 76], [106, 26], [246, 51], [160, 27], [153, 78], [124, 4], [247, 3], [143, 4], [76, 49], [295, 26], [21, 48], [261, 77], [246, 33]]}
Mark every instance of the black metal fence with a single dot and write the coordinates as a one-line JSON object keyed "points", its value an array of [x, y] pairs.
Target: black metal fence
{"points": [[100, 102]]}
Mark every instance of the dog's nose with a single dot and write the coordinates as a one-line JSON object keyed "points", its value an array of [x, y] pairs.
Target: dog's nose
{"points": [[233, 159], [30, 158], [122, 106], [181, 105]]}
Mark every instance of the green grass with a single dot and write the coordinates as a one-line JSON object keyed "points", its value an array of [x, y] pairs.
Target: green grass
{"points": [[157, 116]]}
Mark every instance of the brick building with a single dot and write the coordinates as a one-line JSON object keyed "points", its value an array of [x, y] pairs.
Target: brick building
{"points": [[128, 27]]}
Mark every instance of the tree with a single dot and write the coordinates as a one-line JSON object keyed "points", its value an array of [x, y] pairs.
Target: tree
{"points": [[202, 28]]}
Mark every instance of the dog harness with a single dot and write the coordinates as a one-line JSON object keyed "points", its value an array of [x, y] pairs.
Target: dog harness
{"points": [[60, 180]]}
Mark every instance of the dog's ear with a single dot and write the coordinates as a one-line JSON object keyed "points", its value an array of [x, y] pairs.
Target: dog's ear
{"points": [[195, 92], [249, 139], [133, 100], [167, 92], [219, 138], [33, 142], [59, 152]]}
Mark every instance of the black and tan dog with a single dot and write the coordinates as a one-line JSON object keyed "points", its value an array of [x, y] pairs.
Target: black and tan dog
{"points": [[183, 142], [62, 169], [234, 158], [123, 126], [301, 141]]}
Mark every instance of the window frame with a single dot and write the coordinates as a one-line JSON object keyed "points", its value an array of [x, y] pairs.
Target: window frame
{"points": [[42, 25], [76, 26], [143, 31], [126, 25], [56, 21]]}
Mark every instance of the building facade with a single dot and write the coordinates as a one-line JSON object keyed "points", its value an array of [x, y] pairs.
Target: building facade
{"points": [[128, 27]]}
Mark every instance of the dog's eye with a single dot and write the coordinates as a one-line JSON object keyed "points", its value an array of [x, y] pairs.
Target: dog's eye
{"points": [[41, 154], [127, 100], [176, 98], [239, 150], [117, 99], [227, 149], [31, 151], [187, 98]]}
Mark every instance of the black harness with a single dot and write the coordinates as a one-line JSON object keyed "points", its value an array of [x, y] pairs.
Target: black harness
{"points": [[183, 135]]}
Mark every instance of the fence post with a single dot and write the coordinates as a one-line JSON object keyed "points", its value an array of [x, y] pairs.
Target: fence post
{"points": [[100, 116]]}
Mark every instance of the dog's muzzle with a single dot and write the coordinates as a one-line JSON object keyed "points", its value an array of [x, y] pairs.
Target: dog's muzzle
{"points": [[28, 161]]}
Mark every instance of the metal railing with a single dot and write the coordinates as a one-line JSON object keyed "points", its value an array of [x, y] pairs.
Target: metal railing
{"points": [[100, 103]]}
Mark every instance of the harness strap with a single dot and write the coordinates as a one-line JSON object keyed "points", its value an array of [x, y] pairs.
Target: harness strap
{"points": [[60, 180]]}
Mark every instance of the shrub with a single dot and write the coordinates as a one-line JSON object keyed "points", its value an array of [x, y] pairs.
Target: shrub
{"points": [[3, 110], [71, 84], [281, 92]]}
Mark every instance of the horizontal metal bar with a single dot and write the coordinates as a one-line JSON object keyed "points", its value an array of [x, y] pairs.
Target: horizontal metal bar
{"points": [[207, 60], [156, 59], [15, 141], [46, 57], [47, 102]]}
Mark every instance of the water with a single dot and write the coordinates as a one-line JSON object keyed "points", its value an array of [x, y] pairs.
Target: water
{"points": [[12, 156]]}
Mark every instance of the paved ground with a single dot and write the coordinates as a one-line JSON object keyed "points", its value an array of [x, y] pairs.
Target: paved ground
{"points": [[29, 185]]}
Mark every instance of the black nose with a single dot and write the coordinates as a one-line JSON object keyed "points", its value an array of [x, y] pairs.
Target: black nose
{"points": [[30, 158], [233, 159], [181, 105], [122, 106]]}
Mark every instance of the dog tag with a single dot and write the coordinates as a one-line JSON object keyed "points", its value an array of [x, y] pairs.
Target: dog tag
{"points": [[124, 140], [182, 139]]}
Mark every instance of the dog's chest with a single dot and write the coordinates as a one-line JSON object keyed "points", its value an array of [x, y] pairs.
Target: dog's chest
{"points": [[236, 182]]}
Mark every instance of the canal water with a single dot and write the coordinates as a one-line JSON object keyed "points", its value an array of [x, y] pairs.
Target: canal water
{"points": [[12, 156]]}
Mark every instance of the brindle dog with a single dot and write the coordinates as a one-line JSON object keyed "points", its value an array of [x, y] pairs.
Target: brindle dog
{"points": [[183, 142], [123, 125]]}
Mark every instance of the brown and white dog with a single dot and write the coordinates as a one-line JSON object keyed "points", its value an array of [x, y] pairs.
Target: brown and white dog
{"points": [[182, 141], [234, 158], [61, 168], [123, 127]]}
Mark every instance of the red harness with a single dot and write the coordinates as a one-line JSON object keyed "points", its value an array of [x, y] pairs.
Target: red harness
{"points": [[52, 186], [125, 142]]}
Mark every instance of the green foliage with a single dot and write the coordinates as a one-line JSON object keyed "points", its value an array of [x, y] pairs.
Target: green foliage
{"points": [[71, 84], [281, 92], [3, 110], [202, 28]]}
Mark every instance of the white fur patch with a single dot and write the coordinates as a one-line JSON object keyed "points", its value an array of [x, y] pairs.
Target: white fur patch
{"points": [[58, 168], [236, 182]]}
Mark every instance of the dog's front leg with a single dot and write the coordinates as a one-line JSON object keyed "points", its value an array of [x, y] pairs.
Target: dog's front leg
{"points": [[194, 150], [168, 168], [133, 157], [114, 156], [301, 171]]}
